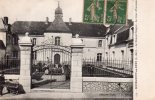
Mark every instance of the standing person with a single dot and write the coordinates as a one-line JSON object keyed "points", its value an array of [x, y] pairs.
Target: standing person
{"points": [[2, 82]]}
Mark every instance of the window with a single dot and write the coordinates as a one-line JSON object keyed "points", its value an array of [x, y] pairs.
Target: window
{"points": [[113, 53], [57, 40], [34, 41], [35, 55], [114, 38], [100, 43], [122, 51], [131, 55], [107, 55], [107, 41], [99, 57], [15, 54], [15, 40], [131, 33]]}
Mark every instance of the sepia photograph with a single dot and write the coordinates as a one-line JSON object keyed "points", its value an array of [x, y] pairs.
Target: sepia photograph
{"points": [[67, 49]]}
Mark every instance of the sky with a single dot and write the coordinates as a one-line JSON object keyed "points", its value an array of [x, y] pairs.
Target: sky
{"points": [[38, 10]]}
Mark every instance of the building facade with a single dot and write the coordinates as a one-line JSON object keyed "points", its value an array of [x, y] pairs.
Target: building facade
{"points": [[9, 41], [60, 33], [101, 42], [119, 42]]}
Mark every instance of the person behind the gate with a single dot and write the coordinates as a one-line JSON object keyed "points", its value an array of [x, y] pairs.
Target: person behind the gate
{"points": [[2, 82]]}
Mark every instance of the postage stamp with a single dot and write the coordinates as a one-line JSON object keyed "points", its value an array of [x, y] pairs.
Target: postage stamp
{"points": [[93, 11], [116, 11]]}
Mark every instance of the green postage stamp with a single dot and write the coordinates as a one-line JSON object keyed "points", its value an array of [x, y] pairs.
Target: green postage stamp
{"points": [[93, 11], [115, 11]]}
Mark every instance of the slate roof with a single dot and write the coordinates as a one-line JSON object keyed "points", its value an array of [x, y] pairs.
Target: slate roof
{"points": [[122, 37], [122, 32], [2, 46], [114, 28], [38, 28], [87, 30], [58, 26], [118, 28], [33, 27]]}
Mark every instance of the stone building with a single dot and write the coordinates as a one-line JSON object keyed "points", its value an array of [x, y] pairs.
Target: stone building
{"points": [[10, 40], [60, 33], [100, 41], [119, 42], [2, 39]]}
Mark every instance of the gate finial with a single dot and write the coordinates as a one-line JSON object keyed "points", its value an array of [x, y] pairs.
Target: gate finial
{"points": [[77, 36], [25, 39], [26, 34]]}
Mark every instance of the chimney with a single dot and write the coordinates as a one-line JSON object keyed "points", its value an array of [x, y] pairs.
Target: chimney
{"points": [[5, 20], [47, 20], [70, 21]]}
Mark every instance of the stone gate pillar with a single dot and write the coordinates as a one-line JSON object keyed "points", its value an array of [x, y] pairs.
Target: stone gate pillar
{"points": [[76, 65], [25, 62]]}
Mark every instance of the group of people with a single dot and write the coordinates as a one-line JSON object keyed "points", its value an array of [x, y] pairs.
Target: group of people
{"points": [[2, 82]]}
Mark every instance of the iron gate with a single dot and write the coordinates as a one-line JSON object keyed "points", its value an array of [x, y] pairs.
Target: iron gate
{"points": [[51, 66]]}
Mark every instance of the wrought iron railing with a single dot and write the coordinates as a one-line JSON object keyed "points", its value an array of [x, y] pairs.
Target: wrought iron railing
{"points": [[107, 68], [10, 65]]}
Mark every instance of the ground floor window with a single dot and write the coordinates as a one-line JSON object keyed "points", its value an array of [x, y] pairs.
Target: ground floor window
{"points": [[99, 56], [15, 54]]}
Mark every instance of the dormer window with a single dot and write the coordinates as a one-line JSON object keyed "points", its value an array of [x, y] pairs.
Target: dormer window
{"points": [[100, 43], [114, 38], [131, 33], [57, 40]]}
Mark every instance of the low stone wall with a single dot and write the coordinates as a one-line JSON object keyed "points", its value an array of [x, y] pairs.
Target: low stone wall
{"points": [[13, 77], [55, 77], [113, 86]]}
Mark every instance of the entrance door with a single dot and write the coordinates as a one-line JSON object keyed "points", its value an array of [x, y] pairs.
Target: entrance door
{"points": [[56, 59]]}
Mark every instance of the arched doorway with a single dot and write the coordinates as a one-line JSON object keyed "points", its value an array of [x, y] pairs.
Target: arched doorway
{"points": [[56, 59]]}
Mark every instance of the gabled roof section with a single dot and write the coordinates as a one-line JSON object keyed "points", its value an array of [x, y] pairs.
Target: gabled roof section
{"points": [[33, 27], [122, 31], [114, 28], [58, 26], [117, 28]]}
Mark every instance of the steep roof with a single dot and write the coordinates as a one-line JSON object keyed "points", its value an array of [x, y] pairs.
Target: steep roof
{"points": [[58, 26], [2, 46], [33, 27], [122, 32], [38, 28], [88, 30], [118, 28], [122, 36], [114, 28]]}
